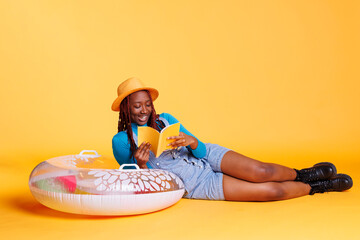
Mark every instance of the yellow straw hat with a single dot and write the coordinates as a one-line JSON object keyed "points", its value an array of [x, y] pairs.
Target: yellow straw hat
{"points": [[128, 87]]}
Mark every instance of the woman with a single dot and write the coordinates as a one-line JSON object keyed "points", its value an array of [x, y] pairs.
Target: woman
{"points": [[210, 171]]}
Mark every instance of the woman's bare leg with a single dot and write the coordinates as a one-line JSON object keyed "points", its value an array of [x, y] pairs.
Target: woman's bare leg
{"points": [[245, 168], [239, 190]]}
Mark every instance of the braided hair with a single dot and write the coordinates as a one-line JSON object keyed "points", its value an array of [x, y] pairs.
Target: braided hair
{"points": [[125, 120]]}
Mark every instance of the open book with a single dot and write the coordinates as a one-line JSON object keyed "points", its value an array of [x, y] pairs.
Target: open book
{"points": [[158, 140]]}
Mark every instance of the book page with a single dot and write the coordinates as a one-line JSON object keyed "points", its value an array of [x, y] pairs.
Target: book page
{"points": [[148, 134], [169, 131]]}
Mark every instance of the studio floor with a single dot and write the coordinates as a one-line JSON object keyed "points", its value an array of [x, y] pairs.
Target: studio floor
{"points": [[322, 216]]}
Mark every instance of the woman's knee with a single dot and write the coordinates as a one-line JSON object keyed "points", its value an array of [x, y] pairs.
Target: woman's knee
{"points": [[274, 191], [263, 172]]}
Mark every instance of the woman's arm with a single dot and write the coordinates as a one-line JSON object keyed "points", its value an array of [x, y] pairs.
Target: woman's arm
{"points": [[184, 140], [121, 148], [122, 151], [194, 145]]}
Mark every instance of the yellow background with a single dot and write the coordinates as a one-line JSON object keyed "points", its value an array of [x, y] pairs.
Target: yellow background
{"points": [[275, 80]]}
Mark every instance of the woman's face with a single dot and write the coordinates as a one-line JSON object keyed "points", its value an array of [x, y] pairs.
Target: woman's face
{"points": [[140, 107]]}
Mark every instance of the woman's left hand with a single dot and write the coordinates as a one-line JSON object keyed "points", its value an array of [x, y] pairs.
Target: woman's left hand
{"points": [[183, 140]]}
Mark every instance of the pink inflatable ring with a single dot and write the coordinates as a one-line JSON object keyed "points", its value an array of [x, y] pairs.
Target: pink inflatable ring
{"points": [[94, 185]]}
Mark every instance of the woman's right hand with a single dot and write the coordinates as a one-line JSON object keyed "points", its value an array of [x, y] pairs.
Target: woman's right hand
{"points": [[142, 154]]}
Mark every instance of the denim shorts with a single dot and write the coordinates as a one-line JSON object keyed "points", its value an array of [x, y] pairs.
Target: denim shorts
{"points": [[209, 183]]}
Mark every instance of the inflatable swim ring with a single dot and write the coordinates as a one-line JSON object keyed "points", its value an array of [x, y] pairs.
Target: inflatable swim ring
{"points": [[95, 185]]}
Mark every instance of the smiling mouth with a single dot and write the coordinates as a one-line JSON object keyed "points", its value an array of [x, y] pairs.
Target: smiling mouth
{"points": [[143, 118]]}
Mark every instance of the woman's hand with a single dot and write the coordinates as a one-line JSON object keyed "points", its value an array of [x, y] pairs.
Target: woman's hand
{"points": [[142, 154], [183, 140]]}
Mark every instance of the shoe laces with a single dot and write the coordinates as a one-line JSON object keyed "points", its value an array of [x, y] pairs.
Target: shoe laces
{"points": [[321, 186], [309, 175]]}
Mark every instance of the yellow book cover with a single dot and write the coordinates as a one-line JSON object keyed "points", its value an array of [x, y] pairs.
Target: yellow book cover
{"points": [[158, 140]]}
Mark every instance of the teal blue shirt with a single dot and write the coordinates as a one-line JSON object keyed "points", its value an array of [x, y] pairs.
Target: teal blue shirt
{"points": [[121, 144]]}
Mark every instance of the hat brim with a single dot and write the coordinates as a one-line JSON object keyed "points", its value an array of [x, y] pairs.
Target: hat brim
{"points": [[116, 104]]}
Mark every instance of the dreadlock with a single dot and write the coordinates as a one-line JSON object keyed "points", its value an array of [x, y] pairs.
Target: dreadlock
{"points": [[125, 120]]}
